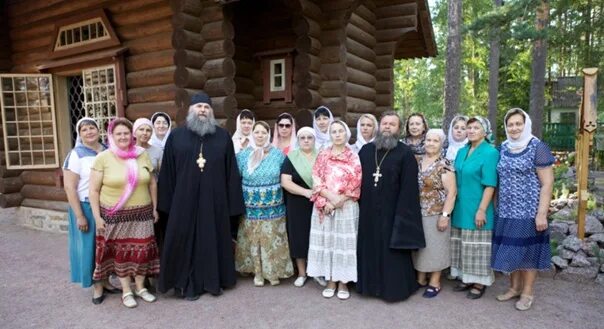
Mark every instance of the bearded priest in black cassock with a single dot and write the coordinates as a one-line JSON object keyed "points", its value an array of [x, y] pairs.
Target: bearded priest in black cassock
{"points": [[199, 187], [390, 226]]}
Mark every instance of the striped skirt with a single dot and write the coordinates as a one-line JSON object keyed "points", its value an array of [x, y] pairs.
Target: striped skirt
{"points": [[471, 256], [127, 247], [332, 251]]}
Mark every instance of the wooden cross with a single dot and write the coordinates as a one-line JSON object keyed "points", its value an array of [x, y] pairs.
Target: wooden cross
{"points": [[376, 176]]}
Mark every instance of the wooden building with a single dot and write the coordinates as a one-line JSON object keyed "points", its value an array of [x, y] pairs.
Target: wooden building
{"points": [[65, 59]]}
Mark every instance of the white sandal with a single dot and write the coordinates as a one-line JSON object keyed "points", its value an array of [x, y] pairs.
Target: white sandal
{"points": [[328, 292], [343, 294], [128, 300], [145, 295], [300, 281]]}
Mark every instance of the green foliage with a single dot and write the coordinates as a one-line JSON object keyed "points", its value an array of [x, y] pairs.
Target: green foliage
{"points": [[553, 246], [419, 83]]}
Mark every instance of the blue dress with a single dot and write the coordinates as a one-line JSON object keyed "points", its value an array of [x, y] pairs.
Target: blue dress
{"points": [[517, 245]]}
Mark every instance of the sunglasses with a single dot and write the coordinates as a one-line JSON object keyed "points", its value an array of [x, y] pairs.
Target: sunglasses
{"points": [[284, 125]]}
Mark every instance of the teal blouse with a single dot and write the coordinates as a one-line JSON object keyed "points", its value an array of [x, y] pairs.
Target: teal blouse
{"points": [[473, 174], [262, 191]]}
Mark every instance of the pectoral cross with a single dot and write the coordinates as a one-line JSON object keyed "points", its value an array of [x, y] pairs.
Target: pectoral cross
{"points": [[201, 161], [376, 176]]}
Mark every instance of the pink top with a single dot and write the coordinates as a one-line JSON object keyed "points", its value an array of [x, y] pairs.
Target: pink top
{"points": [[340, 174]]}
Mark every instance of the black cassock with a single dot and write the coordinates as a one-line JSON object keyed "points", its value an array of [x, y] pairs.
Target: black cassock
{"points": [[198, 255], [390, 226]]}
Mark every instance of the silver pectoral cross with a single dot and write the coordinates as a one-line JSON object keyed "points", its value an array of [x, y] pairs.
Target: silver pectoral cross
{"points": [[376, 176]]}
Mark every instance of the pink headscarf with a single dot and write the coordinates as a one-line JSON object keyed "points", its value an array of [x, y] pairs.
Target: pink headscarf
{"points": [[130, 156]]}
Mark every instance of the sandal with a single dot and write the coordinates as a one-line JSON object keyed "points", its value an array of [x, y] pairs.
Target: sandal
{"points": [[510, 294], [328, 292], [431, 292], [525, 303], [462, 287], [128, 300], [145, 295], [473, 295], [258, 281], [343, 294]]}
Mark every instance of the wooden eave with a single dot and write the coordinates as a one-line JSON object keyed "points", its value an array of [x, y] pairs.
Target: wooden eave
{"points": [[419, 43], [89, 57]]}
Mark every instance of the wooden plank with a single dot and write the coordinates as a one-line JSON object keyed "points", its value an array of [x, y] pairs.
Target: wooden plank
{"points": [[152, 94], [41, 192], [46, 204], [145, 110], [150, 60], [151, 77], [152, 43], [396, 10], [39, 177], [141, 15], [135, 31]]}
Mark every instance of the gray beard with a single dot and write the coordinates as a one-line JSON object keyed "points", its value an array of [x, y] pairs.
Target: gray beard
{"points": [[201, 126], [383, 142]]}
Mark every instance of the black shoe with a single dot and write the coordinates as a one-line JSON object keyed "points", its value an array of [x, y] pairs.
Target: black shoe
{"points": [[113, 290], [462, 287], [474, 295], [98, 300], [192, 298]]}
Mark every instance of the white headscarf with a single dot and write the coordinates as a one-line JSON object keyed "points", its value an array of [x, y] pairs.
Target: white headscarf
{"points": [[292, 138], [440, 133], [258, 151], [360, 139], [79, 141], [321, 139], [454, 145], [303, 130], [348, 133], [154, 139], [238, 136], [527, 133]]}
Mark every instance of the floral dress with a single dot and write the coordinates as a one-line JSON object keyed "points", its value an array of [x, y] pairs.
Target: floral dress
{"points": [[262, 246], [517, 245], [332, 251]]}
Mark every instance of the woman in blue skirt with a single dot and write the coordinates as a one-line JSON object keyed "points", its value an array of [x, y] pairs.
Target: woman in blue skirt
{"points": [[76, 173], [520, 236]]}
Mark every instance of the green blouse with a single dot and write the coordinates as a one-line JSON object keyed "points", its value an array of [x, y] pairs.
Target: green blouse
{"points": [[473, 174]]}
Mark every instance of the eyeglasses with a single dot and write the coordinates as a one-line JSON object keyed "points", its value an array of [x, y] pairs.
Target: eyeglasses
{"points": [[284, 125], [306, 138]]}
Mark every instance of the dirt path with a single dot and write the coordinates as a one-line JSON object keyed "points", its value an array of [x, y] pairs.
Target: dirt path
{"points": [[35, 292]]}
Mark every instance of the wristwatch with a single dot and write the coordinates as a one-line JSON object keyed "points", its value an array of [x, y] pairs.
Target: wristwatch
{"points": [[446, 214]]}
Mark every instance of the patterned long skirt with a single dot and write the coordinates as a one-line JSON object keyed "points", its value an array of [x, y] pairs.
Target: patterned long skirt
{"points": [[127, 247], [332, 251], [262, 249], [471, 256]]}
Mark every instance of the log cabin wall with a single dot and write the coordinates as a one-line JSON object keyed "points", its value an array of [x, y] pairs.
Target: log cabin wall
{"points": [[145, 27], [394, 19], [10, 180], [260, 26], [360, 63]]}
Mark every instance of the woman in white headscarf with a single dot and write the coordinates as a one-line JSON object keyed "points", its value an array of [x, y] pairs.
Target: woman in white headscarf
{"points": [[521, 244], [162, 125], [457, 136], [76, 178], [143, 130], [367, 127], [334, 223], [242, 138], [322, 118], [262, 247]]}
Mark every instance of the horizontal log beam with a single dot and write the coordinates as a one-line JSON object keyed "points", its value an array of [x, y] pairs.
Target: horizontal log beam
{"points": [[360, 50], [189, 58], [306, 98], [152, 77], [152, 94], [10, 200], [5, 172], [39, 178], [333, 88], [244, 85], [397, 10], [361, 77], [359, 63], [359, 105], [383, 100], [152, 43], [218, 49], [360, 36], [184, 21], [212, 31], [185, 77], [142, 15], [220, 67], [333, 72], [152, 60], [220, 87], [183, 39], [45, 204], [193, 7], [145, 110], [40, 192], [135, 31], [366, 13], [245, 101], [10, 185], [27, 44], [360, 92]]}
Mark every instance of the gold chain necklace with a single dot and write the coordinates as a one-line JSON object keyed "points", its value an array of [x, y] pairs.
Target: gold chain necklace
{"points": [[377, 174]]}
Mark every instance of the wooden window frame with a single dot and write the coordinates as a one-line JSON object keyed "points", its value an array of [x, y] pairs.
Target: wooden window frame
{"points": [[42, 135], [267, 58], [87, 47]]}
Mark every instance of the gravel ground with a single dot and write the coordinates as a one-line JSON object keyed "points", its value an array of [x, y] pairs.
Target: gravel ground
{"points": [[35, 292]]}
